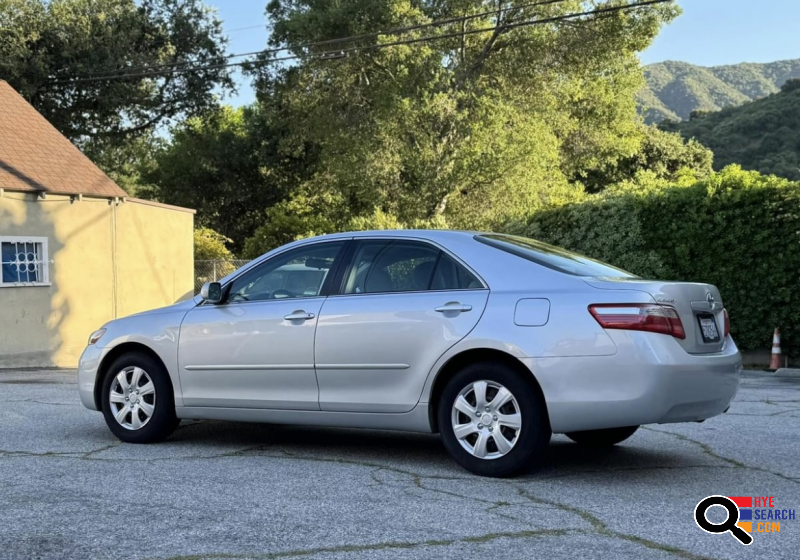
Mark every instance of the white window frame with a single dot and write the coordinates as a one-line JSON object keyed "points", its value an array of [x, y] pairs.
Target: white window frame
{"points": [[44, 261]]}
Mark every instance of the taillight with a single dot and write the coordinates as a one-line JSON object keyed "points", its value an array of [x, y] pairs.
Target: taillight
{"points": [[727, 323], [639, 317]]}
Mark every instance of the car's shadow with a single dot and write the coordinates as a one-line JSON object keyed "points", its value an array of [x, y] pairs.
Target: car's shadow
{"points": [[411, 451]]}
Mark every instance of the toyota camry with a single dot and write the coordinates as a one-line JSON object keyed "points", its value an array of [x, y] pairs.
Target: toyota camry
{"points": [[493, 341]]}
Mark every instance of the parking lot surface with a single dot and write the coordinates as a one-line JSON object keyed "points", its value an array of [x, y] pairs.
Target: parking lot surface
{"points": [[69, 489]]}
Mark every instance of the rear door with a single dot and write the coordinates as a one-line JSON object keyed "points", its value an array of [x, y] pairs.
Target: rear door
{"points": [[403, 304]]}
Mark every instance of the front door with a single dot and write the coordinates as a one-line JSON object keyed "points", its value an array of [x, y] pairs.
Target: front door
{"points": [[256, 349], [403, 304]]}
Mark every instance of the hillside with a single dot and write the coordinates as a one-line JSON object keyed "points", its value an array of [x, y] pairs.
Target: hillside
{"points": [[762, 135], [675, 89]]}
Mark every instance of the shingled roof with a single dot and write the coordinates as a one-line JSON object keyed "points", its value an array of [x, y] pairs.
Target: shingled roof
{"points": [[35, 157]]}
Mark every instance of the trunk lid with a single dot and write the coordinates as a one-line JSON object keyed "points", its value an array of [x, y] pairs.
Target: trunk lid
{"points": [[698, 305]]}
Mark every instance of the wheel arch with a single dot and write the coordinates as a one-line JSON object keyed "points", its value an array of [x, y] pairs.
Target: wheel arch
{"points": [[455, 363], [111, 356]]}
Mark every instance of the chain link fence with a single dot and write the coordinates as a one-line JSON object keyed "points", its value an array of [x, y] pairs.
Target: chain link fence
{"points": [[211, 271]]}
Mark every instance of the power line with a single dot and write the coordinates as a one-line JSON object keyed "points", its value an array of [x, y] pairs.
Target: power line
{"points": [[149, 70], [260, 26], [327, 55], [423, 25], [372, 35]]}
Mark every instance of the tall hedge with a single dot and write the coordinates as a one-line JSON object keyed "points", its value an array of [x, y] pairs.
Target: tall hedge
{"points": [[738, 230]]}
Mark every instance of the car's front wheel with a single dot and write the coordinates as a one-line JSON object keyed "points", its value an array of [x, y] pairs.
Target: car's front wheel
{"points": [[137, 400], [492, 421], [602, 438]]}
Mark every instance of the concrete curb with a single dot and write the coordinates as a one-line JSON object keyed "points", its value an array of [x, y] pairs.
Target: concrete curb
{"points": [[783, 372], [49, 375]]}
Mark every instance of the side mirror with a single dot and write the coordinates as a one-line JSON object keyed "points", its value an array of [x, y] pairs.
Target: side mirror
{"points": [[211, 292]]}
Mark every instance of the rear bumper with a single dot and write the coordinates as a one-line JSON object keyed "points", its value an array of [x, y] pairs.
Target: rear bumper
{"points": [[651, 380]]}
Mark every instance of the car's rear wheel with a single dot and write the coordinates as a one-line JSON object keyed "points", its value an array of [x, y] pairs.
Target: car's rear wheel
{"points": [[492, 421], [137, 399], [602, 438]]}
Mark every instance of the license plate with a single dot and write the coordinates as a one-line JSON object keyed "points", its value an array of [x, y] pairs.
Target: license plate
{"points": [[708, 328]]}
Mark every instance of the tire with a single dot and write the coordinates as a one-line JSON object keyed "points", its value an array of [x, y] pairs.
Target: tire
{"points": [[152, 394], [602, 438], [528, 442]]}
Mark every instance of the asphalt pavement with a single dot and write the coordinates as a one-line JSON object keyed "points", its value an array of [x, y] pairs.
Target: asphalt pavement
{"points": [[216, 490]]}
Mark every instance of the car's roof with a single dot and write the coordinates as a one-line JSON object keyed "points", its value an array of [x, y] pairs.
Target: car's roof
{"points": [[432, 234]]}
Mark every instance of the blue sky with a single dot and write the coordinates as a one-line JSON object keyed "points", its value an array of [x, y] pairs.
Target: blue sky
{"points": [[709, 33], [714, 32], [236, 15]]}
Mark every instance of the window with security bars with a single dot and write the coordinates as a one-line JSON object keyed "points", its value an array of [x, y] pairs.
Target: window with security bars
{"points": [[23, 261]]}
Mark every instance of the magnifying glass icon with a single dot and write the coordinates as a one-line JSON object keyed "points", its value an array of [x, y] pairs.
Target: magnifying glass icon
{"points": [[729, 525]]}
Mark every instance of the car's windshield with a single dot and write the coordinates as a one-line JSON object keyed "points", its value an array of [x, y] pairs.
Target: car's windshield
{"points": [[551, 256]]}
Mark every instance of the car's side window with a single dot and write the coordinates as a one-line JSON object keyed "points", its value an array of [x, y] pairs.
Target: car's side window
{"points": [[385, 266], [298, 273], [450, 275]]}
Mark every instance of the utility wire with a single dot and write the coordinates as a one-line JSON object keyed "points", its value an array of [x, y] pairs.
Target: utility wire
{"points": [[372, 35], [397, 30], [333, 54], [149, 70]]}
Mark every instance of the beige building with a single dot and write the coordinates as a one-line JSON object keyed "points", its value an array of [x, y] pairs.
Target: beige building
{"points": [[75, 251]]}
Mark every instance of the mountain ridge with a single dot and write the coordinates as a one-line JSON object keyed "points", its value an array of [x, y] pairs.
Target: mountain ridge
{"points": [[675, 89], [761, 135]]}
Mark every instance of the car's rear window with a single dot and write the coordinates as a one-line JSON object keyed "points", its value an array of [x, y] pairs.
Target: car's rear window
{"points": [[550, 256]]}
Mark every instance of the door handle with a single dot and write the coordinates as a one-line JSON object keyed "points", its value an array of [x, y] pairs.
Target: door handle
{"points": [[299, 315], [453, 307]]}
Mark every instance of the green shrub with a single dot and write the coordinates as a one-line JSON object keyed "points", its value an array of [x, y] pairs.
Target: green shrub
{"points": [[738, 230]]}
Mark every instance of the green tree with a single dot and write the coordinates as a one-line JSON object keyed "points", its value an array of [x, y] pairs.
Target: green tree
{"points": [[210, 245], [468, 131], [129, 162], [665, 154], [49, 47], [224, 164]]}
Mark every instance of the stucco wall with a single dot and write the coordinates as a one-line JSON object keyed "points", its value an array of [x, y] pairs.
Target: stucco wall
{"points": [[155, 257], [109, 260]]}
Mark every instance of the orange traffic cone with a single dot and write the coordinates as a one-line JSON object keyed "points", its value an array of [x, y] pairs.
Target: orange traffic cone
{"points": [[775, 363]]}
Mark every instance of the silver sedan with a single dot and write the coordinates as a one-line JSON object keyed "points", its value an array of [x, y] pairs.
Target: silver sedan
{"points": [[494, 341]]}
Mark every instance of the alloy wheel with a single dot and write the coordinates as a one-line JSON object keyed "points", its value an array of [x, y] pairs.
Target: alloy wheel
{"points": [[132, 398], [486, 419]]}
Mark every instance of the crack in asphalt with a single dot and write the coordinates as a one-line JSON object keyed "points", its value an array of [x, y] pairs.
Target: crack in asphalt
{"points": [[411, 482], [779, 413], [767, 401], [90, 454], [262, 450], [388, 545], [597, 527], [491, 505], [601, 528], [705, 448], [633, 469], [58, 454], [40, 402]]}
